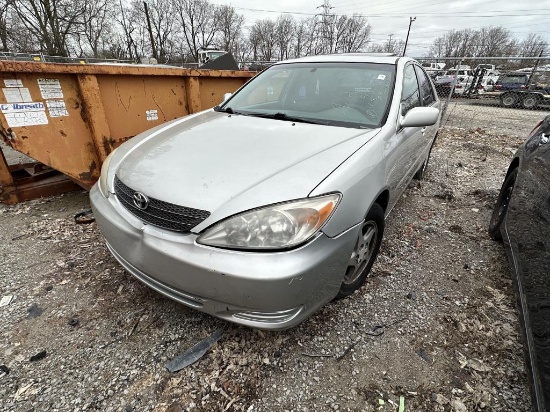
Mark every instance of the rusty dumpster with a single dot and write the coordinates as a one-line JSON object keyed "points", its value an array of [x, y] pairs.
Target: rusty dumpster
{"points": [[69, 117]]}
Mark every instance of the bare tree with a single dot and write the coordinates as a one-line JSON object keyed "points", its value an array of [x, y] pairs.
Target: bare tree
{"points": [[242, 50], [437, 48], [493, 41], [262, 39], [487, 41], [313, 42], [118, 48], [300, 38], [196, 18], [284, 35], [4, 25], [394, 46], [534, 45], [353, 33], [160, 15], [229, 24], [51, 22], [458, 43], [94, 35]]}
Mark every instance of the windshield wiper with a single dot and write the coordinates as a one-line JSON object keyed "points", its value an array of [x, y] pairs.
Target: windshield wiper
{"points": [[284, 116]]}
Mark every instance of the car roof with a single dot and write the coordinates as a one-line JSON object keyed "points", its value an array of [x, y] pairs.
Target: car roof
{"points": [[386, 58]]}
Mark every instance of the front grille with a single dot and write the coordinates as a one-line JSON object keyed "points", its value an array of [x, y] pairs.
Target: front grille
{"points": [[159, 213]]}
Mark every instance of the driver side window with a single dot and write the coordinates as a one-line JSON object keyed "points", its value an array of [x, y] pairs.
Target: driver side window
{"points": [[411, 96]]}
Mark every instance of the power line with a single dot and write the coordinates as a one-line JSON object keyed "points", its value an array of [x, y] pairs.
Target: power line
{"points": [[426, 14]]}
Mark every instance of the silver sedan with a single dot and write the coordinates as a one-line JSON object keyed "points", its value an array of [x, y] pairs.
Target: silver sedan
{"points": [[263, 209]]}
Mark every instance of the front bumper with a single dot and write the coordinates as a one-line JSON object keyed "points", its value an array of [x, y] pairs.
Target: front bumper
{"points": [[268, 290]]}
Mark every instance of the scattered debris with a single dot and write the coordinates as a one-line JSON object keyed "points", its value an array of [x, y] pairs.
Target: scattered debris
{"points": [[458, 405], [440, 399], [450, 309], [34, 311], [22, 390], [193, 354], [427, 358], [84, 217], [39, 356], [6, 300], [348, 350], [474, 364], [317, 355]]}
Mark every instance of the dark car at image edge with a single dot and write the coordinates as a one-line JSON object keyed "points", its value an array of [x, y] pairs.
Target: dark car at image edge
{"points": [[521, 219]]}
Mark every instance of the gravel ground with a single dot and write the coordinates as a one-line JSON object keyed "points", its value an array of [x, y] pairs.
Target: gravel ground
{"points": [[435, 327]]}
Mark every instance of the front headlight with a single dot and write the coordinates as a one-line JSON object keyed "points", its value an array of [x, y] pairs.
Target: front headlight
{"points": [[104, 172], [277, 226]]}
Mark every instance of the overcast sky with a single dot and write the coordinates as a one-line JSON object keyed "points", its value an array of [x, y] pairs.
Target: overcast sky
{"points": [[433, 17]]}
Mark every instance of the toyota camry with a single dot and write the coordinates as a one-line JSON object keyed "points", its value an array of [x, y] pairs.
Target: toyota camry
{"points": [[266, 207]]}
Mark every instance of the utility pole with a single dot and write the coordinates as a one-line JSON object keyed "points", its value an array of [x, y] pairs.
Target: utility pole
{"points": [[411, 19]]}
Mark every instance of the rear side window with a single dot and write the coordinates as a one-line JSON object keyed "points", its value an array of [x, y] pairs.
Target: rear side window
{"points": [[507, 79], [427, 94]]}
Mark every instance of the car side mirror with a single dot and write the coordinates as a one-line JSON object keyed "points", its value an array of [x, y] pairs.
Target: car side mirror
{"points": [[227, 96], [420, 117]]}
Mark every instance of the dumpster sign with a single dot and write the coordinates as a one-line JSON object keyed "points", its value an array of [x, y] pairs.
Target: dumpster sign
{"points": [[24, 114], [50, 88], [57, 108]]}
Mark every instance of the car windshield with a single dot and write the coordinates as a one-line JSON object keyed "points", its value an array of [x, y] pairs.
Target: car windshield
{"points": [[214, 55], [337, 94]]}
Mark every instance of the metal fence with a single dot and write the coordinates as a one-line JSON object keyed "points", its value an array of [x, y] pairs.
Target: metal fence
{"points": [[40, 57], [508, 93]]}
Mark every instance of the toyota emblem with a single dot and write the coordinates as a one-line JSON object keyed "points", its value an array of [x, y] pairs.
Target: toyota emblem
{"points": [[141, 201]]}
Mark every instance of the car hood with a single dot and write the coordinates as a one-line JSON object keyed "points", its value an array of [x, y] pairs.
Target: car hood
{"points": [[226, 164]]}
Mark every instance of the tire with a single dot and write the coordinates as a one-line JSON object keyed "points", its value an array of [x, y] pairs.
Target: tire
{"points": [[509, 100], [501, 206], [530, 101], [365, 251], [419, 175]]}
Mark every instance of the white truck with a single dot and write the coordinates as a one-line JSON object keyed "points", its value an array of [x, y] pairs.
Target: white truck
{"points": [[205, 55], [461, 76]]}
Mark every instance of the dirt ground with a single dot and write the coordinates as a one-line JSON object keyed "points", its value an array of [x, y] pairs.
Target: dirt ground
{"points": [[435, 327]]}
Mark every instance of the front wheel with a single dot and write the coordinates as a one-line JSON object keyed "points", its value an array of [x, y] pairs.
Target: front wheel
{"points": [[365, 251], [501, 207]]}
